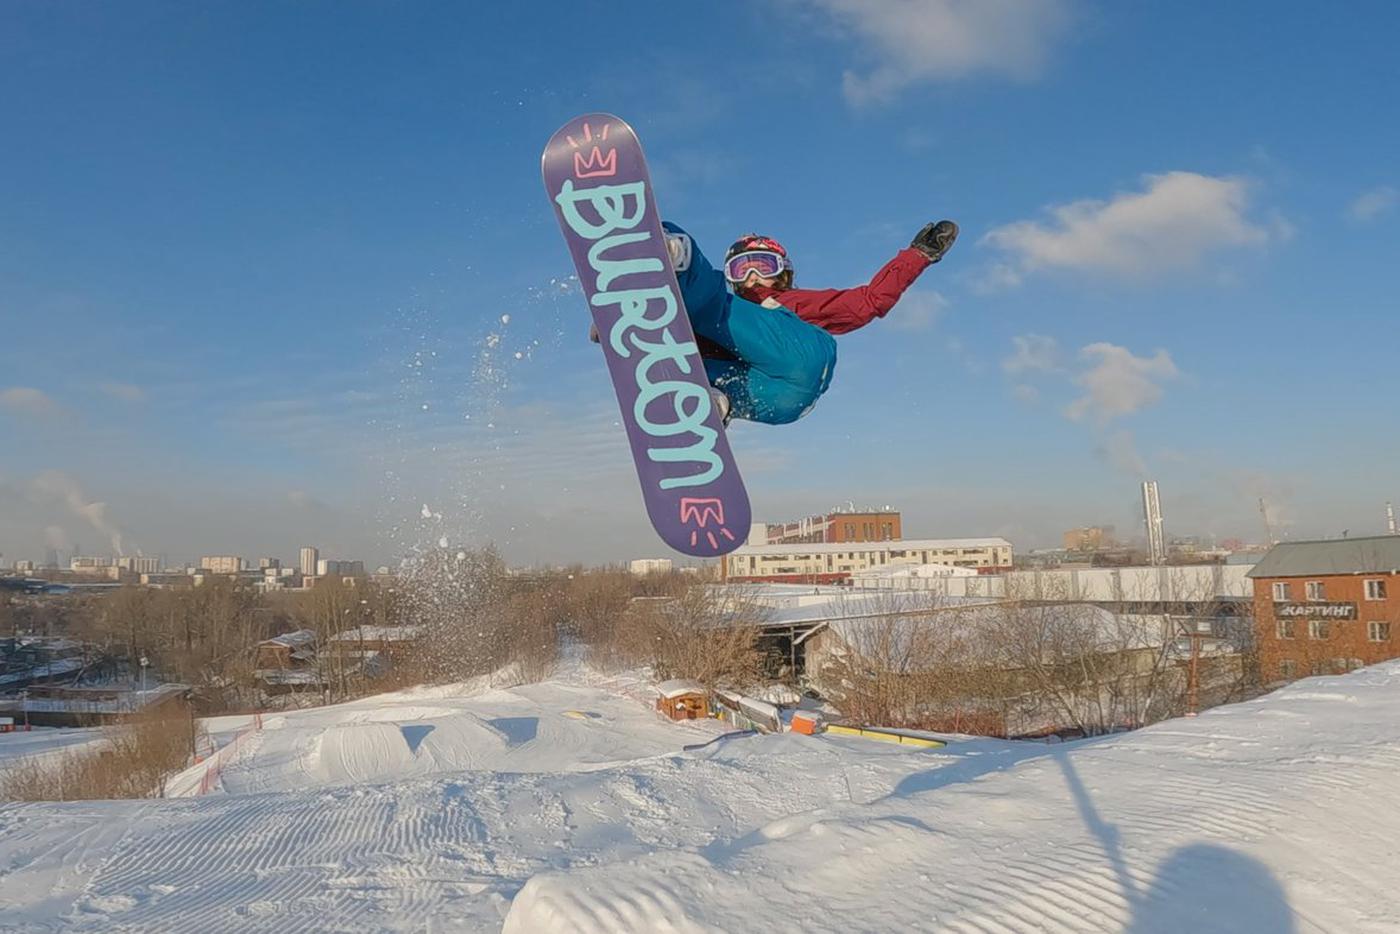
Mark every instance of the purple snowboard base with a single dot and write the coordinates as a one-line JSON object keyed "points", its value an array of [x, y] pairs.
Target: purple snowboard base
{"points": [[596, 177]]}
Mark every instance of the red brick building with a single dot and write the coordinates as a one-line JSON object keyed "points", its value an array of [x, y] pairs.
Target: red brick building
{"points": [[1327, 607], [837, 527]]}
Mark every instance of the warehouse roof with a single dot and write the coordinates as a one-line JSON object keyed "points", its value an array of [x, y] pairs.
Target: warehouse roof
{"points": [[1378, 554]]}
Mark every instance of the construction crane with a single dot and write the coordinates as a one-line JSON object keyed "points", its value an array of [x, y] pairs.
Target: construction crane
{"points": [[1268, 526]]}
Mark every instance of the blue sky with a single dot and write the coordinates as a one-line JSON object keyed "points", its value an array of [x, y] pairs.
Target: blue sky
{"points": [[275, 274]]}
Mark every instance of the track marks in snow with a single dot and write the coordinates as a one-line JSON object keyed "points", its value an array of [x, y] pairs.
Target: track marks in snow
{"points": [[292, 862], [604, 824], [1177, 828], [647, 900]]}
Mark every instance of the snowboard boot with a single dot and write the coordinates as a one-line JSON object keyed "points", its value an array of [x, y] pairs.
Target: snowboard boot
{"points": [[722, 405], [935, 239], [678, 248]]}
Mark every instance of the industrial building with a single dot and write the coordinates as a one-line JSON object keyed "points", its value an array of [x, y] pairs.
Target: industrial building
{"points": [[837, 562], [841, 525], [1325, 607]]}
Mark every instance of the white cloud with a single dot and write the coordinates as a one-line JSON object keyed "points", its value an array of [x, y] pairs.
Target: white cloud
{"points": [[1119, 449], [23, 400], [1171, 224], [1119, 383], [1371, 204], [917, 311], [913, 41], [1034, 353], [1026, 393], [124, 391]]}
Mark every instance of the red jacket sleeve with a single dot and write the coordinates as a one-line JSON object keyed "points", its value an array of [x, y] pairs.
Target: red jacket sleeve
{"points": [[843, 310]]}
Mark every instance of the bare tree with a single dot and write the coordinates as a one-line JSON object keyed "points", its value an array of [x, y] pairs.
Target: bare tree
{"points": [[455, 598], [701, 633], [922, 667], [597, 602], [532, 634], [1085, 668]]}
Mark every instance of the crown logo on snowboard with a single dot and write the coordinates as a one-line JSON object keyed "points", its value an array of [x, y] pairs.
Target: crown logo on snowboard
{"points": [[595, 164], [702, 511]]}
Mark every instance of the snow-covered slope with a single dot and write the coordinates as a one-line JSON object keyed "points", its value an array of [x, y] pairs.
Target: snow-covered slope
{"points": [[1278, 815], [552, 727], [570, 806]]}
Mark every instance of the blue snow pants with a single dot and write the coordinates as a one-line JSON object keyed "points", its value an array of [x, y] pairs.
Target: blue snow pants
{"points": [[784, 364]]}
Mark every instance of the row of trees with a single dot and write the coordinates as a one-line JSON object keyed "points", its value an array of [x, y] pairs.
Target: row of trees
{"points": [[1037, 658], [1031, 666]]}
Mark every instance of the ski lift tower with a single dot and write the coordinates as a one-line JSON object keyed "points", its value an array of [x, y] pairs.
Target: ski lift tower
{"points": [[1152, 516]]}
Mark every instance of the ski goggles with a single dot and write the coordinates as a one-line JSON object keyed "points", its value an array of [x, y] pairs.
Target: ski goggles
{"points": [[767, 263]]}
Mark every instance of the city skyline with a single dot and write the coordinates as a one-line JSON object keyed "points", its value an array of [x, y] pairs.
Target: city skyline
{"points": [[307, 560], [312, 288]]}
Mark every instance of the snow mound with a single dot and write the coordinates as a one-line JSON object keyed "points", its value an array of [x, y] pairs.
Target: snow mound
{"points": [[573, 806], [1228, 822], [420, 733]]}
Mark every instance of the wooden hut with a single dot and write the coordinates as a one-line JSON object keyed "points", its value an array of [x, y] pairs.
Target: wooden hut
{"points": [[289, 650], [683, 699]]}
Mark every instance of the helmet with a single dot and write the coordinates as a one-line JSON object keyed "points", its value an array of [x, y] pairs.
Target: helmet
{"points": [[754, 242]]}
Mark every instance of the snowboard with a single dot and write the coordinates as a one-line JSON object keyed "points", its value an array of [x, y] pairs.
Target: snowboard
{"points": [[596, 177]]}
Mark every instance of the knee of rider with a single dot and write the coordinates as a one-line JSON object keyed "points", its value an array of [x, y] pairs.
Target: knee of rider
{"points": [[792, 404], [786, 412], [816, 372]]}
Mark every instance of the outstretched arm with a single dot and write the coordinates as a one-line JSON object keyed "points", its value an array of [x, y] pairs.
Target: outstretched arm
{"points": [[843, 310]]}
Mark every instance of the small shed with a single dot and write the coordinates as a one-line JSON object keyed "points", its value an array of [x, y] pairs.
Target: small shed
{"points": [[391, 642], [289, 650], [683, 699]]}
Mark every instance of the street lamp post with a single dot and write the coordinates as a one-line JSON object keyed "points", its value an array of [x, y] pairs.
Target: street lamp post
{"points": [[144, 662], [24, 705]]}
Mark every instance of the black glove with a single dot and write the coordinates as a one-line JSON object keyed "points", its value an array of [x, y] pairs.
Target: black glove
{"points": [[935, 239]]}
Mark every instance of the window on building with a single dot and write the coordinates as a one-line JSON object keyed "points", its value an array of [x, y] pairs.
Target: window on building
{"points": [[1280, 591], [1318, 629], [1339, 666], [1375, 590], [1317, 667], [1285, 629], [1316, 591], [1288, 668], [1378, 632]]}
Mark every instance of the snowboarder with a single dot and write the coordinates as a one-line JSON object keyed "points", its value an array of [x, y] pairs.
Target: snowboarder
{"points": [[768, 347]]}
